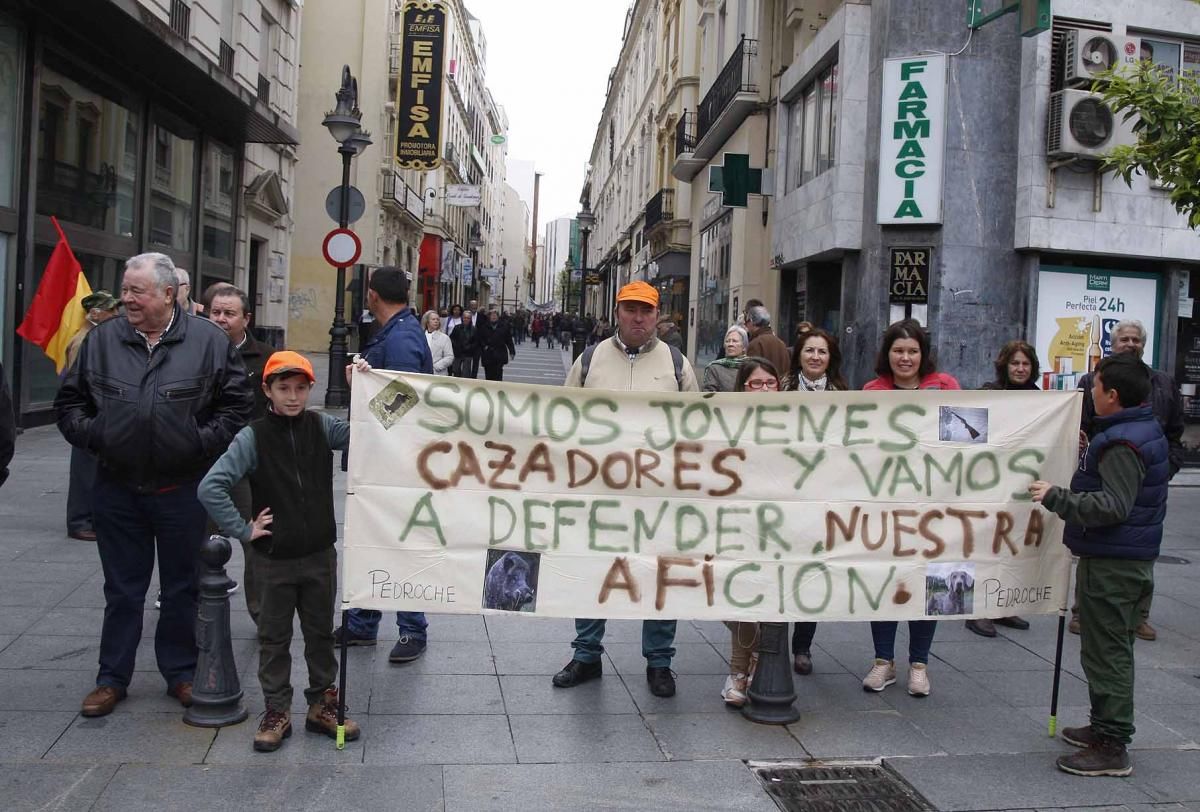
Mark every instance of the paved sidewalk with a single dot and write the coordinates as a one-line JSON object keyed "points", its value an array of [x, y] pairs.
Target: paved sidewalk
{"points": [[475, 724]]}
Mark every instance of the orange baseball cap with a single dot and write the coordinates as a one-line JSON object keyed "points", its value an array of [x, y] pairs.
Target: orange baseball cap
{"points": [[638, 292], [288, 361]]}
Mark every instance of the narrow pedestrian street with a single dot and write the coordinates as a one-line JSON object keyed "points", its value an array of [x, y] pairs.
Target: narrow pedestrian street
{"points": [[475, 723]]}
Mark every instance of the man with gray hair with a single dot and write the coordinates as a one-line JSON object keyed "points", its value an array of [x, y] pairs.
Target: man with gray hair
{"points": [[1129, 336], [763, 341], [156, 397], [183, 294]]}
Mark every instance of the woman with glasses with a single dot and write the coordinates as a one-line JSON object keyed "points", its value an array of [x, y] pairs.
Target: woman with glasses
{"points": [[816, 367], [904, 362], [754, 375]]}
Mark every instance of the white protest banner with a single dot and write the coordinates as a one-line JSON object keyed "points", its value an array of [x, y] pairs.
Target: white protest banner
{"points": [[469, 496]]}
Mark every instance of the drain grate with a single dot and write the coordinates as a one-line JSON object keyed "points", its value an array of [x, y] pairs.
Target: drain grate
{"points": [[839, 788]]}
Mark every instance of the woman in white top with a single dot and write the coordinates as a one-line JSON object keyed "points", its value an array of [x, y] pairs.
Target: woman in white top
{"points": [[439, 343]]}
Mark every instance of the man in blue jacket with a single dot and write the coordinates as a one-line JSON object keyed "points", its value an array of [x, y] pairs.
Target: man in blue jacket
{"points": [[399, 345]]}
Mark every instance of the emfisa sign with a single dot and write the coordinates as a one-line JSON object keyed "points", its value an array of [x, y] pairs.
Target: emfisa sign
{"points": [[912, 140]]}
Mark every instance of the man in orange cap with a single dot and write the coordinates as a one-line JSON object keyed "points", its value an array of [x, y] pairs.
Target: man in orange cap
{"points": [[632, 360]]}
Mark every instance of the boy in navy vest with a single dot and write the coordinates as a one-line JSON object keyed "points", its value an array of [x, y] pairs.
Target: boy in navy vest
{"points": [[1114, 513], [287, 455]]}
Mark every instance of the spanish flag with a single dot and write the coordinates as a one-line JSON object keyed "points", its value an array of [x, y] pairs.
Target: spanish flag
{"points": [[56, 313]]}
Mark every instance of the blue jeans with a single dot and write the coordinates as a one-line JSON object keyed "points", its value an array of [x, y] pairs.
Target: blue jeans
{"points": [[920, 639], [365, 623], [658, 639], [129, 528], [79, 490]]}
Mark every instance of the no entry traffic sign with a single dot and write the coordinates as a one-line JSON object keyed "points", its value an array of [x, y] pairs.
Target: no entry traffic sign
{"points": [[341, 247]]}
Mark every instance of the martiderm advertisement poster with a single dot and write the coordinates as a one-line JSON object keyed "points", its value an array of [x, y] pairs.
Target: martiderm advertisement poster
{"points": [[1077, 311]]}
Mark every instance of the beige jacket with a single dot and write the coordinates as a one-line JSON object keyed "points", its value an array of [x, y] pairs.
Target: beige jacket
{"points": [[652, 370]]}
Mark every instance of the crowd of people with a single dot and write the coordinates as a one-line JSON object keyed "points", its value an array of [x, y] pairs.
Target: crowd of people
{"points": [[182, 425]]}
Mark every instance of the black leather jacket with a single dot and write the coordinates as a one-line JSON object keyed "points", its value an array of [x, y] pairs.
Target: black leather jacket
{"points": [[155, 419]]}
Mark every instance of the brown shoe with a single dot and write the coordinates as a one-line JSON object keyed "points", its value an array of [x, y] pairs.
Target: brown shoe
{"points": [[1146, 632], [982, 627], [82, 535], [272, 730], [802, 663], [1105, 756], [1073, 626], [183, 692], [102, 700], [322, 717], [1079, 736]]}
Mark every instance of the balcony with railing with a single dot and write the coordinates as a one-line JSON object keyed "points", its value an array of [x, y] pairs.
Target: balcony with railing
{"points": [[732, 97], [660, 209], [264, 90], [225, 59], [180, 18], [393, 192]]}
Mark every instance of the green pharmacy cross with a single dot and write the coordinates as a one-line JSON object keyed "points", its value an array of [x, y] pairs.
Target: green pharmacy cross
{"points": [[735, 180]]}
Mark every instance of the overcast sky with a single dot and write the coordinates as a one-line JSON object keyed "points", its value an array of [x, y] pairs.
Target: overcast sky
{"points": [[548, 64]]}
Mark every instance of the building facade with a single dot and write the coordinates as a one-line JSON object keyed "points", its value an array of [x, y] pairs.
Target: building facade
{"points": [[558, 253], [194, 158], [514, 251]]}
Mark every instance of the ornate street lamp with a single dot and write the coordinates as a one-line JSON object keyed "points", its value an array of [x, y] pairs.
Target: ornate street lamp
{"points": [[344, 124], [587, 222]]}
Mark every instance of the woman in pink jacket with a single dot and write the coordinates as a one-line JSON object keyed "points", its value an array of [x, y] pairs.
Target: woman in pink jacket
{"points": [[904, 362]]}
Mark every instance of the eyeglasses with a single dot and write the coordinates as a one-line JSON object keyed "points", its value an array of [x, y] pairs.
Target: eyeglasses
{"points": [[759, 385]]}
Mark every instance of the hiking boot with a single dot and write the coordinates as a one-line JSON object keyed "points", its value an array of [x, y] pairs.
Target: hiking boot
{"points": [[1105, 756], [577, 672], [1073, 625], [406, 650], [662, 680], [918, 679], [982, 627], [734, 692], [183, 692], [341, 636], [276, 725], [102, 700], [1079, 736], [1146, 632], [322, 717], [1013, 622], [881, 675], [802, 663]]}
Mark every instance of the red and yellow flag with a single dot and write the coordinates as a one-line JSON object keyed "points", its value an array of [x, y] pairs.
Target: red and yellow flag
{"points": [[56, 313]]}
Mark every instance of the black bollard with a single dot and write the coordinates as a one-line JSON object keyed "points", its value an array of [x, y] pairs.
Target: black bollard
{"points": [[216, 691], [772, 694]]}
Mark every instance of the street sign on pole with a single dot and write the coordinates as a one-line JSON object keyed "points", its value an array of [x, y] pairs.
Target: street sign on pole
{"points": [[333, 204], [341, 248]]}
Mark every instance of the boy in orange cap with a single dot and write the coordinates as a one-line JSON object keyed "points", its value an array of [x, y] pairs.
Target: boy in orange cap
{"points": [[288, 457]]}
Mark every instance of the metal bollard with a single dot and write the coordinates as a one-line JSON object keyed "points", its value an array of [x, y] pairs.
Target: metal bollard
{"points": [[772, 694], [216, 691]]}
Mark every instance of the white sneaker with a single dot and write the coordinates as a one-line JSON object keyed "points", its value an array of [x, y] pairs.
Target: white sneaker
{"points": [[734, 692], [918, 679], [881, 675]]}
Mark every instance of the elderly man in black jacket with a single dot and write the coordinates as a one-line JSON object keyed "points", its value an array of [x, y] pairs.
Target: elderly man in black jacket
{"points": [[157, 395]]}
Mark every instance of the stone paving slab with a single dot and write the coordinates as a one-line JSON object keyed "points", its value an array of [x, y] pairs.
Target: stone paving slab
{"points": [[147, 738], [583, 737], [861, 734], [52, 787], [409, 740], [963, 782], [135, 788], [525, 695], [701, 736], [415, 693], [26, 736], [679, 786]]}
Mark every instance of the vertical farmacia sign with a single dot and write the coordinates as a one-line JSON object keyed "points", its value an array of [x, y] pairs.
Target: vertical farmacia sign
{"points": [[419, 130], [912, 140]]}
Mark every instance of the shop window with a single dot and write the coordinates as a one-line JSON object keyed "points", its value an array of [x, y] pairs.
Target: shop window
{"points": [[10, 90], [173, 191], [216, 258], [713, 316], [83, 178]]}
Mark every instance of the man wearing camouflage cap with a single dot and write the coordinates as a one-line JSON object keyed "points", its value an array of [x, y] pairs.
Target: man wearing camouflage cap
{"points": [[100, 307]]}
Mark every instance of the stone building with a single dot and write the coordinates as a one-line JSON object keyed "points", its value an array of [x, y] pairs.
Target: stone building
{"points": [[145, 125]]}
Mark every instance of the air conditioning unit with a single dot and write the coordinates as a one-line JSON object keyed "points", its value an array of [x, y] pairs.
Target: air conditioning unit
{"points": [[1087, 54], [1080, 124]]}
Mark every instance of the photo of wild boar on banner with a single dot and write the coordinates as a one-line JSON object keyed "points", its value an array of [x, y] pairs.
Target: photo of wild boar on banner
{"points": [[474, 496]]}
